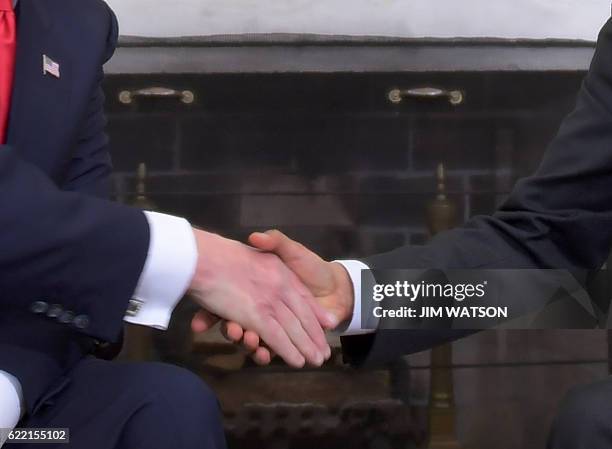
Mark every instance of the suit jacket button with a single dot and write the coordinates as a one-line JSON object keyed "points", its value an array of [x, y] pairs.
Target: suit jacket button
{"points": [[66, 318], [55, 311], [81, 322], [39, 307]]}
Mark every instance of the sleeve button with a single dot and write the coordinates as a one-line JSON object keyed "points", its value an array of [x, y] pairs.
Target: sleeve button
{"points": [[55, 311], [81, 322], [66, 318], [39, 307]]}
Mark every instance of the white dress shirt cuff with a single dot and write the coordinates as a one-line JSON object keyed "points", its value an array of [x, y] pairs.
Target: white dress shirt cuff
{"points": [[168, 270], [353, 327]]}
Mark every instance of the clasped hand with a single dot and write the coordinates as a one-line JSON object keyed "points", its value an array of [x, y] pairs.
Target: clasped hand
{"points": [[274, 297]]}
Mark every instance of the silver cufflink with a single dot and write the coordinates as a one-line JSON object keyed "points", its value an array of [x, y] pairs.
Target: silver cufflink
{"points": [[134, 307]]}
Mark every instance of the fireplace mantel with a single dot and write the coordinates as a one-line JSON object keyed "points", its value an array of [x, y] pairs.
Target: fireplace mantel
{"points": [[314, 54]]}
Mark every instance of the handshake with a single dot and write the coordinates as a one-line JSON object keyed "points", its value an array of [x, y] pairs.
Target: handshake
{"points": [[274, 297]]}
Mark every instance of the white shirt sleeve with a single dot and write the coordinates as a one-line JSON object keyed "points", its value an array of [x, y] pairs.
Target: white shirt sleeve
{"points": [[168, 271], [353, 327]]}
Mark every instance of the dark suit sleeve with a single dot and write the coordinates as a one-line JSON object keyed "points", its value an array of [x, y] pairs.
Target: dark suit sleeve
{"points": [[90, 168], [560, 217], [69, 248]]}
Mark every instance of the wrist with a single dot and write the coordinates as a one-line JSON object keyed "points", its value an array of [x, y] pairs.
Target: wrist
{"points": [[344, 292], [203, 240], [217, 257]]}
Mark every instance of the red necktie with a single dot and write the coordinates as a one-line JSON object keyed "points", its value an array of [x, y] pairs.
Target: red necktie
{"points": [[8, 45]]}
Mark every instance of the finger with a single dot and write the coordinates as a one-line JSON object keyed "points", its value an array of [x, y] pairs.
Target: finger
{"points": [[203, 321], [232, 331], [303, 306], [278, 340], [299, 337], [262, 356], [250, 341]]}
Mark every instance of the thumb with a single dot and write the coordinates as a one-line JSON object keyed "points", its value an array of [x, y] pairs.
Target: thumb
{"points": [[334, 313], [263, 241], [276, 242]]}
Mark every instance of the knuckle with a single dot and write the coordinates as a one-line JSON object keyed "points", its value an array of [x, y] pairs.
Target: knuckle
{"points": [[276, 309], [298, 247], [263, 308], [275, 232], [279, 334], [272, 267]]}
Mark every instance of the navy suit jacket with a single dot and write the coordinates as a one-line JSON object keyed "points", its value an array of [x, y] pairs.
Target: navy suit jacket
{"points": [[61, 241], [560, 217]]}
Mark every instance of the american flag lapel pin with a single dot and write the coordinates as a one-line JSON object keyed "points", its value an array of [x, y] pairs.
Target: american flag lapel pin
{"points": [[50, 67]]}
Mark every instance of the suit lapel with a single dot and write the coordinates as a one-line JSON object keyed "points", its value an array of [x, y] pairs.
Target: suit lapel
{"points": [[39, 101]]}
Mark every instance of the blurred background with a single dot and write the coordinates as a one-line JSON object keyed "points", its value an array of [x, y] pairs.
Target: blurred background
{"points": [[354, 127]]}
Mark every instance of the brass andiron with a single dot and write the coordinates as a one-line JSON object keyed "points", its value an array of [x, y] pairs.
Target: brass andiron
{"points": [[138, 344], [142, 201], [441, 216], [441, 213]]}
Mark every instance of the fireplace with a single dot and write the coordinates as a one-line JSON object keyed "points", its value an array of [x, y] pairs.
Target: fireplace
{"points": [[309, 137]]}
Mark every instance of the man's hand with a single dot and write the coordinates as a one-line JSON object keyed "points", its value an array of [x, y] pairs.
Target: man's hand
{"points": [[256, 291], [328, 282]]}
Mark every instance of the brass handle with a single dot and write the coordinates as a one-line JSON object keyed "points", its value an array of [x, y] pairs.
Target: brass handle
{"points": [[128, 96], [455, 97]]}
